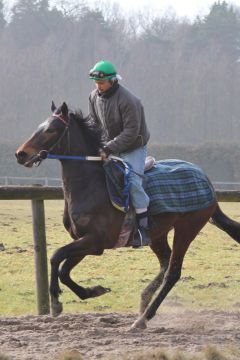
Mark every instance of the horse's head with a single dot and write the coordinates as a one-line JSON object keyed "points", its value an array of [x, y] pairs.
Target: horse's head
{"points": [[45, 138]]}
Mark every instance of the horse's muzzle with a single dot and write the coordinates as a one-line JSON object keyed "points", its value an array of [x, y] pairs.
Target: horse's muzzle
{"points": [[21, 157], [24, 159]]}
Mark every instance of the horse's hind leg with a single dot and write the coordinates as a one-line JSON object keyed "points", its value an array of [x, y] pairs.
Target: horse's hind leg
{"points": [[162, 250], [186, 229], [159, 245], [171, 276]]}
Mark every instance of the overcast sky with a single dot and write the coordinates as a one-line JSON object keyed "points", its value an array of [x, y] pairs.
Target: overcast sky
{"points": [[188, 8]]}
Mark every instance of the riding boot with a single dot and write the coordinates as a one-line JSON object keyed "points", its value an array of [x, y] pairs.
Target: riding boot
{"points": [[141, 238]]}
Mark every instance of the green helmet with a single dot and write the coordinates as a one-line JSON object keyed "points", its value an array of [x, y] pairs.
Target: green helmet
{"points": [[103, 70]]}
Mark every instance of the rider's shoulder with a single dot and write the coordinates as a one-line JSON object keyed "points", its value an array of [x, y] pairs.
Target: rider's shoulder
{"points": [[127, 94]]}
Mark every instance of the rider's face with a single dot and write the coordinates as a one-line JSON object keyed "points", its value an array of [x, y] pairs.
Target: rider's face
{"points": [[103, 85]]}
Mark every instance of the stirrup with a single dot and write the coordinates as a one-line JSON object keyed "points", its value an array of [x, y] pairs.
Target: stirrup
{"points": [[141, 240]]}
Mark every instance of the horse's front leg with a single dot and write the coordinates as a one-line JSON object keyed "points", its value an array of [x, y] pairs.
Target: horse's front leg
{"points": [[81, 292], [72, 253], [54, 289]]}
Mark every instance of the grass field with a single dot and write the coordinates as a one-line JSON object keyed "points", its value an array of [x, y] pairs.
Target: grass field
{"points": [[210, 277]]}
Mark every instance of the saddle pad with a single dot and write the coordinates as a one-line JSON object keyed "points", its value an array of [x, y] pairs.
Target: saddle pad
{"points": [[177, 186], [117, 181]]}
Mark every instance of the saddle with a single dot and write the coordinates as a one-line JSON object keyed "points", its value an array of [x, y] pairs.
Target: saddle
{"points": [[149, 163]]}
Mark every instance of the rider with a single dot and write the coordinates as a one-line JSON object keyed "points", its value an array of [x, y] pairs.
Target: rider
{"points": [[121, 115]]}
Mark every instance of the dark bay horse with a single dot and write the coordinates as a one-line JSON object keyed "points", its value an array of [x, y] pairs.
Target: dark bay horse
{"points": [[95, 224]]}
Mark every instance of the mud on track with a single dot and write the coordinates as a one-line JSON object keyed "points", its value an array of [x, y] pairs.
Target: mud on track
{"points": [[99, 335]]}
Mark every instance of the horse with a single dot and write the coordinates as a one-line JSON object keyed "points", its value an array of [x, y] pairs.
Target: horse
{"points": [[94, 224]]}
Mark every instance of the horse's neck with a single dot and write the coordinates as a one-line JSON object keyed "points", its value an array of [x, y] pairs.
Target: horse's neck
{"points": [[80, 144], [83, 176], [83, 180]]}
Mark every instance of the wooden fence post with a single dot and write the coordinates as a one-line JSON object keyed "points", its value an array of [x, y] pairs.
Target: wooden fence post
{"points": [[40, 251]]}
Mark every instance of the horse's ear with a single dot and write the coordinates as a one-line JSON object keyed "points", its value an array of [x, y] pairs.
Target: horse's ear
{"points": [[64, 109], [53, 107]]}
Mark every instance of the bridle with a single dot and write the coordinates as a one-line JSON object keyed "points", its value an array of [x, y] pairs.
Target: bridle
{"points": [[66, 130], [43, 154], [61, 118]]}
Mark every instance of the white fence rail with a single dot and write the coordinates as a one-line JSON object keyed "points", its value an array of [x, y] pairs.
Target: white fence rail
{"points": [[15, 180], [226, 185]]}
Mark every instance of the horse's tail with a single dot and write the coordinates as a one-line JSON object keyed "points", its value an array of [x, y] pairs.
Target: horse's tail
{"points": [[226, 224]]}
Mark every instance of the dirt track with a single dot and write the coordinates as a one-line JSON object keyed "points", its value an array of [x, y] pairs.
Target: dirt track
{"points": [[97, 336]]}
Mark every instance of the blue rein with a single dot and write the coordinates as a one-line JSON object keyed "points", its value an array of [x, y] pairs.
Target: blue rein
{"points": [[74, 157], [93, 158]]}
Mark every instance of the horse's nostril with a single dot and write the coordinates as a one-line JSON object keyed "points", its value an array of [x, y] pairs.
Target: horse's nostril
{"points": [[20, 155]]}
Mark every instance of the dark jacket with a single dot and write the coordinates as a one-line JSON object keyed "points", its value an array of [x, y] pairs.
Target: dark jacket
{"points": [[121, 115]]}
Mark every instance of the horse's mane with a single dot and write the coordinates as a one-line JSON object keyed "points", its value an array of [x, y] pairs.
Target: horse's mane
{"points": [[92, 131]]}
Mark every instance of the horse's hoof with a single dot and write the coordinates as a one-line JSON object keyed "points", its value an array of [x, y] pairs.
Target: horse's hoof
{"points": [[139, 324], [56, 308], [98, 291]]}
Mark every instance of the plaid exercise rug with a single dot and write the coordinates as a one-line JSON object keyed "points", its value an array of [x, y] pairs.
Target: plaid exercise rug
{"points": [[177, 186]]}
